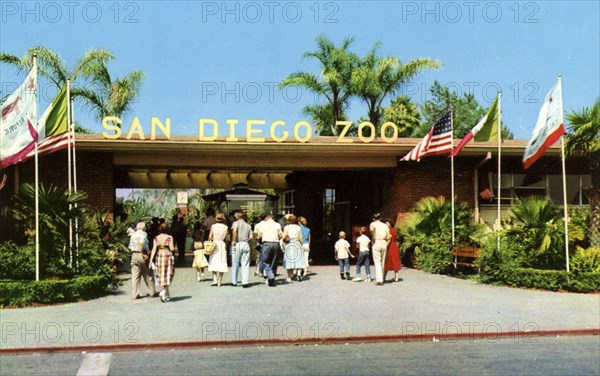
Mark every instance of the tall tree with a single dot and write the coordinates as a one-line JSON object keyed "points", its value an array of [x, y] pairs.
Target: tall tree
{"points": [[404, 114], [52, 66], [467, 111], [377, 77], [334, 81], [583, 139], [109, 96]]}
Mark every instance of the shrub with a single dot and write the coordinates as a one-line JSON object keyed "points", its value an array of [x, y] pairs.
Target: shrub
{"points": [[20, 293], [586, 260], [548, 279], [428, 231], [17, 262]]}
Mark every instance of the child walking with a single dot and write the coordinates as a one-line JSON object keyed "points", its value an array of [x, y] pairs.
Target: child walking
{"points": [[342, 251], [363, 242]]}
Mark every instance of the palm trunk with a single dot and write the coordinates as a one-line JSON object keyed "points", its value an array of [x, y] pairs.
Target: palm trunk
{"points": [[594, 196]]}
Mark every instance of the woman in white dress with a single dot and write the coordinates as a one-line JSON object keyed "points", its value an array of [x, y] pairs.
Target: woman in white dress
{"points": [[217, 261], [294, 254]]}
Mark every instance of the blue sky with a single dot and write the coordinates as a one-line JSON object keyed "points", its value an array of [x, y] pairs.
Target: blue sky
{"points": [[215, 59]]}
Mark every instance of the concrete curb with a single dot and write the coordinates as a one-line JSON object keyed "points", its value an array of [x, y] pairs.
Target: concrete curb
{"points": [[430, 337]]}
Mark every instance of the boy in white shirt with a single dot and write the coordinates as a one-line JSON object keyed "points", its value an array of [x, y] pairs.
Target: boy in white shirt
{"points": [[342, 251], [363, 242]]}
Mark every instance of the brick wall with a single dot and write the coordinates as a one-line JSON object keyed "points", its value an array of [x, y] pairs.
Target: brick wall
{"points": [[95, 177], [412, 181]]}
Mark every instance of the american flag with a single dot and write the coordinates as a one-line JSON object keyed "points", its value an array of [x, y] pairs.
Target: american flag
{"points": [[437, 141]]}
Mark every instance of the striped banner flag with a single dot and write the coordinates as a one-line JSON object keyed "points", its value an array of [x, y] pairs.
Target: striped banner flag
{"points": [[437, 141]]}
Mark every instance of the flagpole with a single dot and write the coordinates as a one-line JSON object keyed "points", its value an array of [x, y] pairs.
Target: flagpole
{"points": [[452, 177], [74, 180], [564, 181], [69, 167], [37, 190], [499, 168], [452, 170]]}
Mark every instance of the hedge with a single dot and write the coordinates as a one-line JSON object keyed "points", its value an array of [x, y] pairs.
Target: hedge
{"points": [[547, 279], [20, 293]]}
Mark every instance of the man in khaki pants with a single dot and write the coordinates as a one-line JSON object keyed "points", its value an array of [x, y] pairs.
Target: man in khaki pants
{"points": [[138, 245], [380, 233]]}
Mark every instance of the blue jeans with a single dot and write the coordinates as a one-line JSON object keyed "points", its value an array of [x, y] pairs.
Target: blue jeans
{"points": [[344, 263], [240, 255], [268, 258], [363, 257]]}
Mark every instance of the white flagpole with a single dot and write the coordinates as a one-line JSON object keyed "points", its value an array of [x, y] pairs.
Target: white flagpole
{"points": [[69, 178], [499, 168], [564, 181], [72, 130], [452, 170], [452, 177], [37, 191]]}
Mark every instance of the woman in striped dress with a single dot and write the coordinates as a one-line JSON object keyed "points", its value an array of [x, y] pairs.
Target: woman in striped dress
{"points": [[165, 263], [217, 261]]}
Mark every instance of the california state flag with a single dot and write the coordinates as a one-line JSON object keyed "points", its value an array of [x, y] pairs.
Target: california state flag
{"points": [[549, 126], [485, 130], [18, 133]]}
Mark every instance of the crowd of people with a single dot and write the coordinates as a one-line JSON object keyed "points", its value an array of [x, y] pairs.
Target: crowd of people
{"points": [[285, 242]]}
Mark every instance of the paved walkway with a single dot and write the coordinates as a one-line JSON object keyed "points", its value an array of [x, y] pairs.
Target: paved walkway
{"points": [[321, 307]]}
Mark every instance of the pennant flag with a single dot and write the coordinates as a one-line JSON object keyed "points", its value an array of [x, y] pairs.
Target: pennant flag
{"points": [[437, 141], [549, 126], [485, 130], [18, 133], [52, 126]]}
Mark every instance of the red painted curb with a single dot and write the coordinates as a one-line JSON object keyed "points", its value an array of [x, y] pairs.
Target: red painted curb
{"points": [[521, 335]]}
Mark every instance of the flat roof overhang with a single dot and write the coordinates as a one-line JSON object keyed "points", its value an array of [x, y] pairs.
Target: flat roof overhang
{"points": [[319, 153]]}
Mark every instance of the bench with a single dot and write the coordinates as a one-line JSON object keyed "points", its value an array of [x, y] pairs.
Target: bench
{"points": [[470, 253]]}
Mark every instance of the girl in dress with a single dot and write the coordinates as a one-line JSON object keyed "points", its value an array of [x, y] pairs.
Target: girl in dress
{"points": [[165, 263], [217, 261], [200, 262]]}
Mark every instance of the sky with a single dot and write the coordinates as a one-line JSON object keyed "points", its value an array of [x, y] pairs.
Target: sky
{"points": [[223, 60]]}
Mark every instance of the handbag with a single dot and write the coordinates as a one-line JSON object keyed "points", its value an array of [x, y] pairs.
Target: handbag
{"points": [[209, 247]]}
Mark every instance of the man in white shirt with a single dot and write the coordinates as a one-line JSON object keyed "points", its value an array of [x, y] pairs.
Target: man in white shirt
{"points": [[380, 233], [138, 245], [270, 232]]}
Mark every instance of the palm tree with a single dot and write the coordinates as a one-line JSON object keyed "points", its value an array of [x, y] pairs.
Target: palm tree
{"points": [[109, 96], [52, 66], [57, 207], [376, 77], [537, 224], [583, 139], [334, 82]]}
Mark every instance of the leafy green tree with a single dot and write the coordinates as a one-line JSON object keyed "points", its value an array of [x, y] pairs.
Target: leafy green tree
{"points": [[404, 114], [583, 139], [467, 111], [377, 77], [334, 82]]}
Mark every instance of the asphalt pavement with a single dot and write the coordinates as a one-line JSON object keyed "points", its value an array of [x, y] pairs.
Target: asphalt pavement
{"points": [[320, 309]]}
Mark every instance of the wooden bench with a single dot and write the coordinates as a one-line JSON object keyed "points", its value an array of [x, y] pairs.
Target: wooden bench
{"points": [[470, 253]]}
